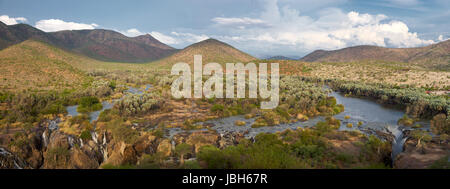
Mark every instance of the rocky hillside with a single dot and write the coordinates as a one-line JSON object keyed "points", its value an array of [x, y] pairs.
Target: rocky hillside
{"points": [[112, 46], [105, 45], [435, 56], [14, 34], [212, 50]]}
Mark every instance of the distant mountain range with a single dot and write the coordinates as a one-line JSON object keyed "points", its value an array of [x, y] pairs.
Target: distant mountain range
{"points": [[212, 50], [105, 45], [279, 57], [111, 46], [435, 56]]}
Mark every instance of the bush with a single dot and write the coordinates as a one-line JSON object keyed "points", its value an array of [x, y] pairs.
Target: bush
{"points": [[138, 104], [217, 108], [121, 132], [440, 124], [86, 135], [89, 104], [405, 120]]}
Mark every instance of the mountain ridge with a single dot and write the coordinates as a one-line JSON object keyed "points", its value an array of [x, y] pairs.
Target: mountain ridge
{"points": [[100, 44], [432, 56]]}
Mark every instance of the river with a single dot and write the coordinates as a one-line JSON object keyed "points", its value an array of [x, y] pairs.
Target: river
{"points": [[374, 117], [93, 116]]}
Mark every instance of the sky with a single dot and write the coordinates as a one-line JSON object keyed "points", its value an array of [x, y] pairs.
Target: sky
{"points": [[261, 28]]}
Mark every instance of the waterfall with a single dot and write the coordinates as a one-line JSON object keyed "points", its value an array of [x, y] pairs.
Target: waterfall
{"points": [[94, 137], [399, 140], [44, 139], [104, 147], [4, 152], [71, 141]]}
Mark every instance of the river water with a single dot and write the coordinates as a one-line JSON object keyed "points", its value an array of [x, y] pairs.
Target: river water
{"points": [[374, 117], [93, 116]]}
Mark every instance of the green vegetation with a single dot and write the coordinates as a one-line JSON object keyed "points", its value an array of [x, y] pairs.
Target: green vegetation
{"points": [[421, 137], [443, 163], [306, 148], [182, 150], [136, 104], [122, 132], [405, 120], [440, 124], [89, 104]]}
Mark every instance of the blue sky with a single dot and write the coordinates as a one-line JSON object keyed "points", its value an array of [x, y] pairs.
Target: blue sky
{"points": [[259, 27]]}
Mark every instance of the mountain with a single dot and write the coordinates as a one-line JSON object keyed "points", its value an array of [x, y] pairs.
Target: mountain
{"points": [[34, 65], [435, 56], [105, 45], [212, 50], [109, 45], [14, 34], [279, 57]]}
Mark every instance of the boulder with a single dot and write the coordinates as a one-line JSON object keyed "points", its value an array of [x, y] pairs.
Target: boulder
{"points": [[81, 160]]}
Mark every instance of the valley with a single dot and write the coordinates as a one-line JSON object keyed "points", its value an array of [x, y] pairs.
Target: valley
{"points": [[61, 108]]}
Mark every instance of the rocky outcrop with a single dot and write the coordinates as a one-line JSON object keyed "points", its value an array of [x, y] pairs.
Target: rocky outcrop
{"points": [[230, 138], [165, 148], [202, 138], [146, 144], [121, 153], [11, 161]]}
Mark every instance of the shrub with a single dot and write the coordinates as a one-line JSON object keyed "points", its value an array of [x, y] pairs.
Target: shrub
{"points": [[139, 104], [89, 104], [121, 132], [405, 120], [217, 108], [440, 124], [86, 135]]}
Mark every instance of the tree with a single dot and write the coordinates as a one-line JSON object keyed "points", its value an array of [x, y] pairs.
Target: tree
{"points": [[182, 150], [420, 136]]}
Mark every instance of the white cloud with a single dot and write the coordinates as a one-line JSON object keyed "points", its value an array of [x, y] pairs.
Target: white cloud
{"points": [[188, 37], [11, 21], [442, 38], [178, 38], [164, 38], [133, 32], [53, 25], [331, 29], [239, 22], [173, 38]]}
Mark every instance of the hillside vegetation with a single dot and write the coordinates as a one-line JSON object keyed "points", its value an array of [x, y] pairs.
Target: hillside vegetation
{"points": [[33, 65], [211, 50]]}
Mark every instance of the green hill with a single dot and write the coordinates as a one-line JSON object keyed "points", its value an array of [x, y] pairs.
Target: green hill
{"points": [[211, 50], [37, 66]]}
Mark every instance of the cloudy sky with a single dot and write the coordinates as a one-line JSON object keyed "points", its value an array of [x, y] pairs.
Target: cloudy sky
{"points": [[259, 27]]}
